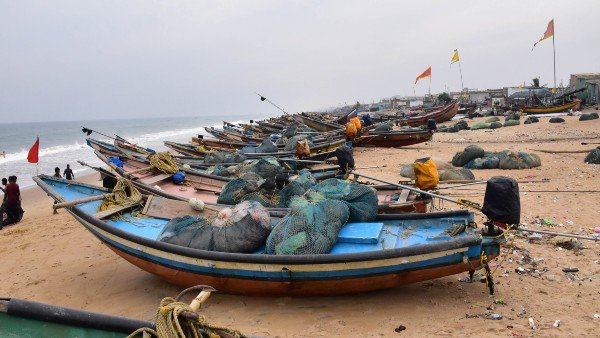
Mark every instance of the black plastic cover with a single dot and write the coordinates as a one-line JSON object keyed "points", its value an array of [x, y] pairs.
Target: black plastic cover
{"points": [[502, 202]]}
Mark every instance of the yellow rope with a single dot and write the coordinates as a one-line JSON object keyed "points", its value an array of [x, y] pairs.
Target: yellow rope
{"points": [[170, 325], [124, 193], [163, 162]]}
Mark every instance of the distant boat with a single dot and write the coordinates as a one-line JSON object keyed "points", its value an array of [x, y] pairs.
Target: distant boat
{"points": [[390, 251], [443, 114], [552, 109]]}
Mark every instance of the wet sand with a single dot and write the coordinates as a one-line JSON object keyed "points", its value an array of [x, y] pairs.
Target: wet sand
{"points": [[53, 259]]}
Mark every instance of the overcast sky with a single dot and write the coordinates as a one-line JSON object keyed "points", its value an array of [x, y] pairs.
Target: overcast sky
{"points": [[70, 60]]}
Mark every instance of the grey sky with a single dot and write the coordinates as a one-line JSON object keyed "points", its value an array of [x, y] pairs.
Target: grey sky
{"points": [[105, 59]]}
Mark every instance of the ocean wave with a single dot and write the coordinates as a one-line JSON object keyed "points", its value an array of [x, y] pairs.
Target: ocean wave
{"points": [[22, 155]]}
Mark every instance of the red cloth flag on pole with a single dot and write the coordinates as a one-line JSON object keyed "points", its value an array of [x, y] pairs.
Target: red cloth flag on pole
{"points": [[547, 34], [426, 73], [33, 155]]}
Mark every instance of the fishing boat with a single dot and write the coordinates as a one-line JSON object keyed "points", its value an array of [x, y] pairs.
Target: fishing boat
{"points": [[317, 148], [24, 318], [444, 114], [320, 124], [393, 139], [392, 250], [201, 150], [557, 108]]}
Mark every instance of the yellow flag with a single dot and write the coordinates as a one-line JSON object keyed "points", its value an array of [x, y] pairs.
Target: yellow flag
{"points": [[454, 57]]}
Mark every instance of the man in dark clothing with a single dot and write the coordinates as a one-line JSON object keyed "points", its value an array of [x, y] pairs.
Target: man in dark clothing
{"points": [[57, 172], [69, 173], [12, 198]]}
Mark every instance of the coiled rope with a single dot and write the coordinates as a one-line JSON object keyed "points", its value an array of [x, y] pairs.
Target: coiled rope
{"points": [[172, 322], [163, 162], [124, 193]]}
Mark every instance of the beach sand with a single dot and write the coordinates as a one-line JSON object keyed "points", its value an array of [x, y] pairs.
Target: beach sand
{"points": [[53, 259]]}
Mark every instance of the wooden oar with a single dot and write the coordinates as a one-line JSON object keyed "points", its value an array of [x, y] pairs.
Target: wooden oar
{"points": [[79, 201], [458, 201], [586, 143], [559, 234]]}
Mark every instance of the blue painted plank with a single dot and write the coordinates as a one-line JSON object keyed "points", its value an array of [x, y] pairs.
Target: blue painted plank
{"points": [[360, 233]]}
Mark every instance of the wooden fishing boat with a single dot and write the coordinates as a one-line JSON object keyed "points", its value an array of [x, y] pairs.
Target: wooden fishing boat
{"points": [[551, 109], [321, 125], [444, 114], [232, 145], [200, 150], [393, 250], [393, 139], [24, 318]]}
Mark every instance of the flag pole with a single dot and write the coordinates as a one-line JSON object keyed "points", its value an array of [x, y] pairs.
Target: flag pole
{"points": [[461, 79], [430, 85], [554, 55]]}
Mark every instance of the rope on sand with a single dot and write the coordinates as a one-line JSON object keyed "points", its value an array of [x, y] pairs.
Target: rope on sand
{"points": [[175, 319]]}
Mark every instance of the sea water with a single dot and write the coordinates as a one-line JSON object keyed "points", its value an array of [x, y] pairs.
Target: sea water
{"points": [[63, 142]]}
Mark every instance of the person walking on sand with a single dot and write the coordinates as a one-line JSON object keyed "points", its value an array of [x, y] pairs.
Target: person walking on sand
{"points": [[57, 172], [69, 173]]}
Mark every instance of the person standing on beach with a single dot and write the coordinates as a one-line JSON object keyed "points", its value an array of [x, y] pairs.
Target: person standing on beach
{"points": [[69, 173], [3, 187], [12, 198], [57, 172]]}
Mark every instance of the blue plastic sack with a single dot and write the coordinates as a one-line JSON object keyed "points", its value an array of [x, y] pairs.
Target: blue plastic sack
{"points": [[178, 177]]}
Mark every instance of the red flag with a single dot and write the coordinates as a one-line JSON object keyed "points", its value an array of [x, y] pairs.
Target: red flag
{"points": [[33, 157], [426, 73], [547, 34]]}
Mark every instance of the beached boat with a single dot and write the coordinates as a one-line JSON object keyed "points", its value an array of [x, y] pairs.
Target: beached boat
{"points": [[24, 318], [444, 114], [320, 124], [551, 109], [201, 150], [393, 139], [232, 145], [393, 250]]}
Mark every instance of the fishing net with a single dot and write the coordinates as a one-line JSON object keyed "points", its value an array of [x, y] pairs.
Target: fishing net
{"points": [[456, 174], [243, 228], [531, 119], [486, 162], [593, 157], [163, 162], [382, 127], [510, 123], [471, 152], [292, 143], [361, 200], [480, 125], [556, 120], [214, 156], [309, 228], [408, 171], [267, 146], [492, 119], [124, 193], [495, 125], [588, 117], [519, 160]]}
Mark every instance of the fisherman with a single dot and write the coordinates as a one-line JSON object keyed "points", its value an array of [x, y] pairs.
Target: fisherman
{"points": [[69, 173], [12, 198], [57, 172]]}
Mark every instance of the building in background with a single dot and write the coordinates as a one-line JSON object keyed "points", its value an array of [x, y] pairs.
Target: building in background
{"points": [[591, 83]]}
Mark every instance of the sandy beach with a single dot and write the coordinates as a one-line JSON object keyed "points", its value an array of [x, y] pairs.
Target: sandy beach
{"points": [[51, 258]]}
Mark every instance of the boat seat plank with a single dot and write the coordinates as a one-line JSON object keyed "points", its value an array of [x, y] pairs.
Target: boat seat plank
{"points": [[360, 233], [403, 196], [165, 208], [111, 212], [155, 179]]}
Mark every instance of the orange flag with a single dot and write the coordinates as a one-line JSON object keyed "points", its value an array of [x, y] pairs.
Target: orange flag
{"points": [[426, 73], [547, 34], [32, 157]]}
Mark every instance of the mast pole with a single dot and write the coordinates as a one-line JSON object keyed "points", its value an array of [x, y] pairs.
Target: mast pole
{"points": [[461, 78], [554, 55]]}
